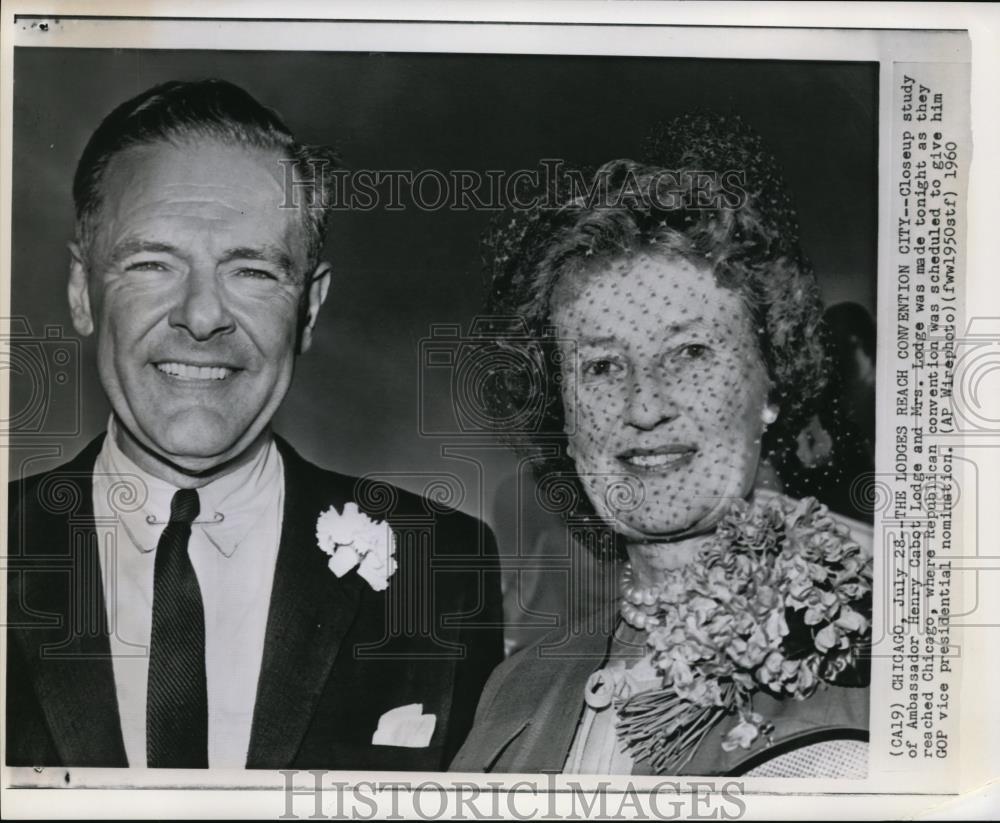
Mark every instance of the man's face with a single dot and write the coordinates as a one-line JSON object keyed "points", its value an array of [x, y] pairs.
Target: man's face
{"points": [[194, 281]]}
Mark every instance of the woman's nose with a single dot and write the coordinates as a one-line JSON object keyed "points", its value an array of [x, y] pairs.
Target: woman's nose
{"points": [[201, 309], [650, 401]]}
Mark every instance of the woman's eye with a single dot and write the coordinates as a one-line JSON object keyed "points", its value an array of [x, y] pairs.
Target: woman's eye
{"points": [[694, 351], [602, 367]]}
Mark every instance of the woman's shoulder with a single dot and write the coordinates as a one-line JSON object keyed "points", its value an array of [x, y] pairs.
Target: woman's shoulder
{"points": [[859, 531], [530, 707], [834, 715], [862, 533]]}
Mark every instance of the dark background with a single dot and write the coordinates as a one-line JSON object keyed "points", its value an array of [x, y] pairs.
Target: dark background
{"points": [[355, 400]]}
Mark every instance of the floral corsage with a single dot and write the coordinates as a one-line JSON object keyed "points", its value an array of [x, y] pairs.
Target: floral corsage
{"points": [[352, 539], [777, 601]]}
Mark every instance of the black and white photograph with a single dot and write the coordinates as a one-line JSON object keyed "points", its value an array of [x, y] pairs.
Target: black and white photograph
{"points": [[668, 383], [478, 410]]}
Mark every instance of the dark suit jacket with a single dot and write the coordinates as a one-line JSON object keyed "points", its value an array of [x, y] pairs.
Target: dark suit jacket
{"points": [[530, 709], [337, 655]]}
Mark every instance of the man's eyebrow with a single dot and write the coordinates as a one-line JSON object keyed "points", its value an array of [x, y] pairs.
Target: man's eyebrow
{"points": [[136, 246], [267, 253]]}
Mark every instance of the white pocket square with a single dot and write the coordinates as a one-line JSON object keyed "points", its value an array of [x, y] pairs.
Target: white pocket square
{"points": [[405, 726]]}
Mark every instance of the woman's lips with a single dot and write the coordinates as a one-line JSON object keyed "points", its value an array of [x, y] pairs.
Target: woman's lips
{"points": [[658, 459]]}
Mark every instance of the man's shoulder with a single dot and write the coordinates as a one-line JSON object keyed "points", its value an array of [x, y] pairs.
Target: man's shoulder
{"points": [[58, 490]]}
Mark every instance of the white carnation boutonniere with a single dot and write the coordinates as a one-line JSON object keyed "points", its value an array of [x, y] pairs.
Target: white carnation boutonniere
{"points": [[352, 539]]}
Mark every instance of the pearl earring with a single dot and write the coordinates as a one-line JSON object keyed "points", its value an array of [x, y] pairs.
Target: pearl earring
{"points": [[769, 415]]}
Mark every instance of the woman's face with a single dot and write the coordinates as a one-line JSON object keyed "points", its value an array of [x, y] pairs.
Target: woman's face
{"points": [[665, 393]]}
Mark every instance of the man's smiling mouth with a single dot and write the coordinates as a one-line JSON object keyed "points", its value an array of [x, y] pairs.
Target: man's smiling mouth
{"points": [[193, 372]]}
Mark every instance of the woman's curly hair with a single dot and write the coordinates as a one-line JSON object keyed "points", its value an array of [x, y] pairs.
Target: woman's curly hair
{"points": [[709, 193]]}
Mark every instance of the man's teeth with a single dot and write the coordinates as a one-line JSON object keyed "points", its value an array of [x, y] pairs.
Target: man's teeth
{"points": [[649, 461], [188, 372]]}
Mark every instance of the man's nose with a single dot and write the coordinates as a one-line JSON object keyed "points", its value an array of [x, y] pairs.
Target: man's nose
{"points": [[650, 401], [202, 309]]}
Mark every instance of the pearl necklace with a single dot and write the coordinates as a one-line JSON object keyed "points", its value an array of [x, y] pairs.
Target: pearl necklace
{"points": [[637, 604]]}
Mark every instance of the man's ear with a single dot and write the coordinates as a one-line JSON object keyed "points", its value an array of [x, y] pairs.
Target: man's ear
{"points": [[78, 292], [319, 285]]}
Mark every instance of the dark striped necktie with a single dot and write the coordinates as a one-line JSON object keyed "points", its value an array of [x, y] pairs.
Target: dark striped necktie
{"points": [[176, 691]]}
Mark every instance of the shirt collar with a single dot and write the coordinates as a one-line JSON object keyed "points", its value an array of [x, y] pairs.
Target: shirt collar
{"points": [[231, 505]]}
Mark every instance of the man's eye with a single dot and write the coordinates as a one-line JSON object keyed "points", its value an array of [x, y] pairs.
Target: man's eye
{"points": [[146, 265], [255, 274]]}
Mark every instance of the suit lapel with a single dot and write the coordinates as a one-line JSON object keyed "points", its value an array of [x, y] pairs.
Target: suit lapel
{"points": [[59, 617], [310, 612]]}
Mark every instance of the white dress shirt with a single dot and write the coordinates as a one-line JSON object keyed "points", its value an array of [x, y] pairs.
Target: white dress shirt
{"points": [[233, 548]]}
